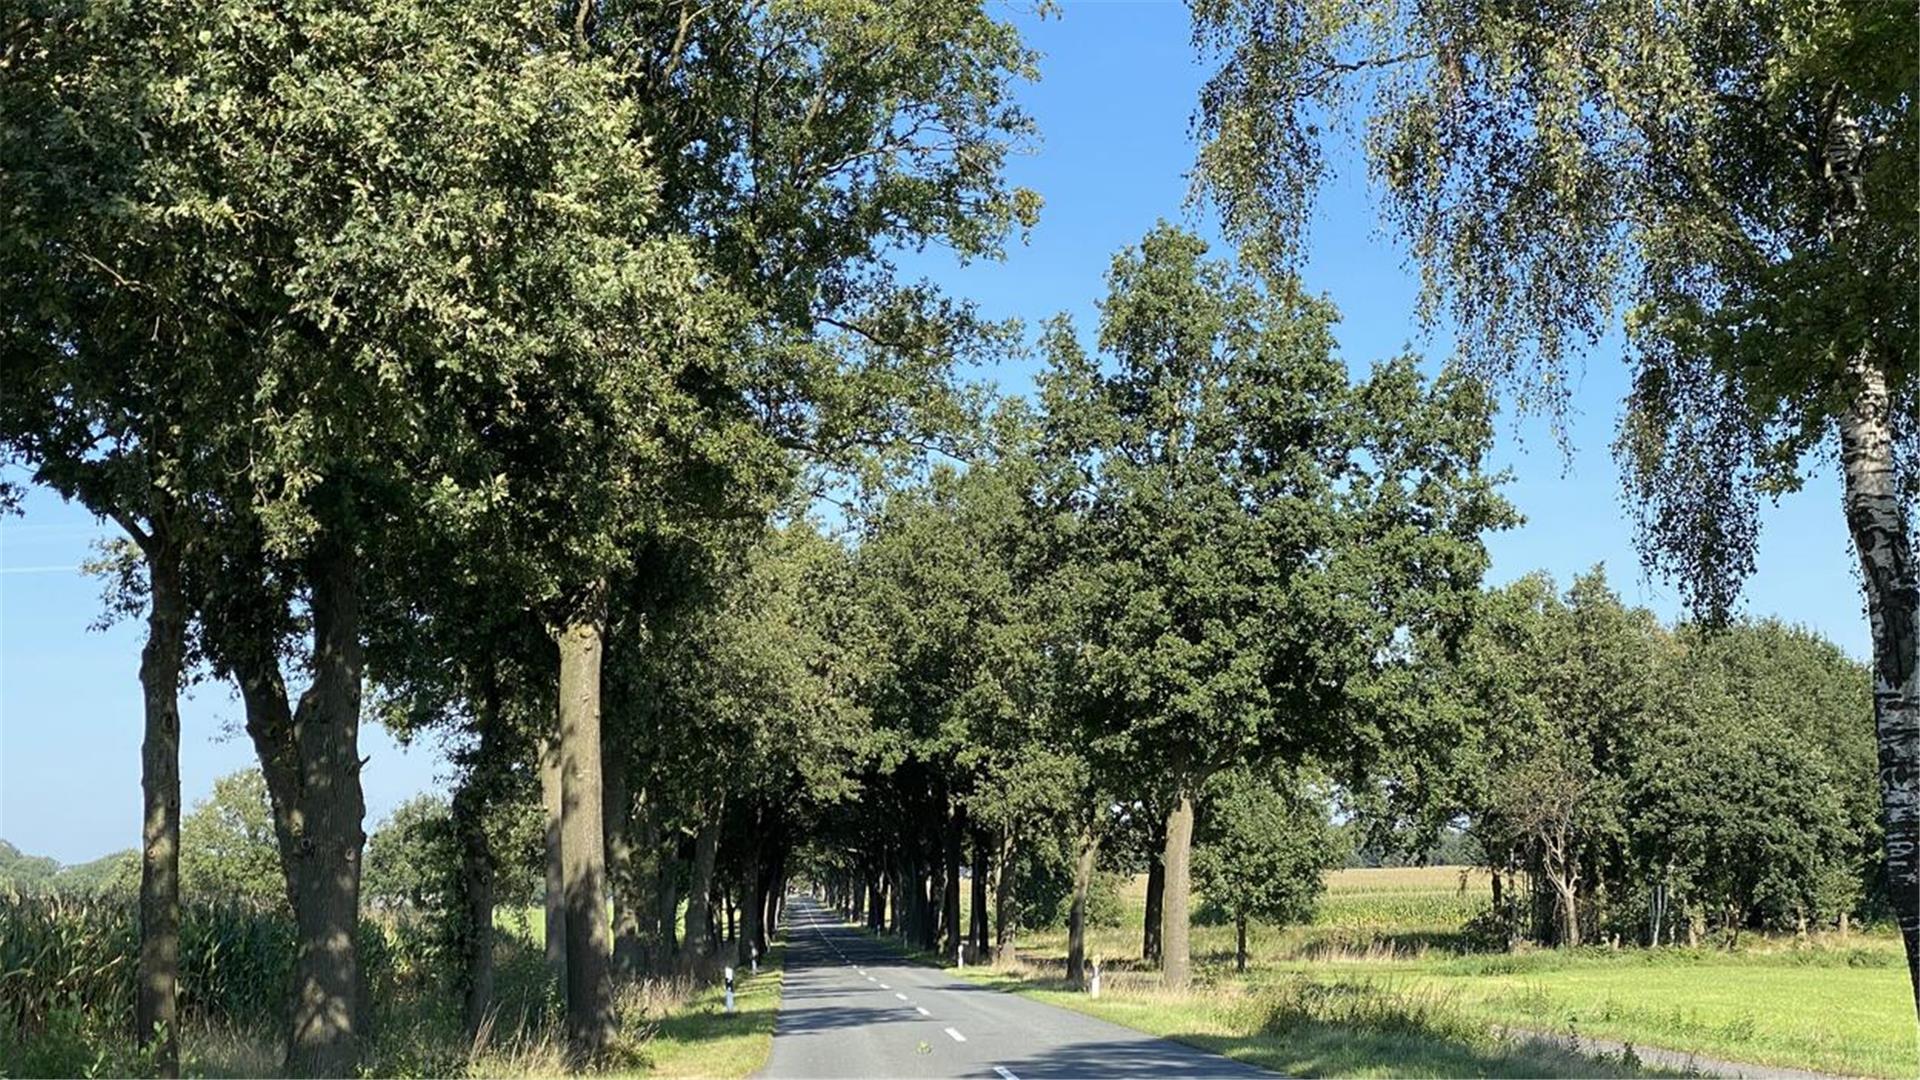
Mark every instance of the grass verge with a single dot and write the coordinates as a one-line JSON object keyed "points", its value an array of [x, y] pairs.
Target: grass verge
{"points": [[1307, 1029], [1829, 1002], [698, 1038]]}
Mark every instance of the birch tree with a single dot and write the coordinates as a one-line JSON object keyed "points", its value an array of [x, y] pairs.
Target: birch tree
{"points": [[1732, 181]]}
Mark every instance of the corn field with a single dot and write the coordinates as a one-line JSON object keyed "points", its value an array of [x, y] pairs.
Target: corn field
{"points": [[66, 953]]}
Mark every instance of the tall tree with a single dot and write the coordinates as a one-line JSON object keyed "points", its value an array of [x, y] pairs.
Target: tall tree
{"points": [[1738, 176], [105, 402], [302, 196], [1261, 532]]}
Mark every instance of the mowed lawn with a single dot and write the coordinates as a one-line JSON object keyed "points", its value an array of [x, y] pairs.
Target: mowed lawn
{"points": [[1377, 985]]}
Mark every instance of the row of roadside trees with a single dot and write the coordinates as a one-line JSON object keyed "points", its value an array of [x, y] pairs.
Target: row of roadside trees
{"points": [[487, 354], [461, 348], [1215, 589]]}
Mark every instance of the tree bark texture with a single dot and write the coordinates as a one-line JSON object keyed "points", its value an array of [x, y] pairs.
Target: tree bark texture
{"points": [[666, 902], [1156, 897], [486, 775], [1084, 863], [753, 906], [706, 849], [310, 757], [1176, 963], [551, 799], [625, 817], [1005, 918], [590, 1017], [950, 900], [1878, 523], [156, 1004], [977, 915], [476, 923]]}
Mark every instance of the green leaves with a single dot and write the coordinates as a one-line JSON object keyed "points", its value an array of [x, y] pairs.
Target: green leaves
{"points": [[1264, 846], [1258, 532], [1737, 178]]}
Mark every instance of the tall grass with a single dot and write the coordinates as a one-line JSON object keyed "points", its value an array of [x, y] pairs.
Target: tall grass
{"points": [[67, 984]]}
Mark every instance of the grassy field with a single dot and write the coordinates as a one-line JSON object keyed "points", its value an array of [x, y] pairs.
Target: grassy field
{"points": [[1377, 985]]}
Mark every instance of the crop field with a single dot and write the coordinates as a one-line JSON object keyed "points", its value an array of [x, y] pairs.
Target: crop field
{"points": [[1377, 984], [67, 980]]}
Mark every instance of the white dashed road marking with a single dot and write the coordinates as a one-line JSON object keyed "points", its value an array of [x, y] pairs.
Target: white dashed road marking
{"points": [[1004, 1073], [957, 1037], [902, 997], [921, 1011]]}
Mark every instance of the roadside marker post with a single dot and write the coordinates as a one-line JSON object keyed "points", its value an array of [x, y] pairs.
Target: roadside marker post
{"points": [[1094, 986], [729, 974], [753, 958]]}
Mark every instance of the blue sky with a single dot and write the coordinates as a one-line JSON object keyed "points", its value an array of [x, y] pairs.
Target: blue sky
{"points": [[1113, 105]]}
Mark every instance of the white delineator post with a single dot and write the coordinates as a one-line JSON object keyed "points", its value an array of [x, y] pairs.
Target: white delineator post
{"points": [[729, 974], [1093, 985]]}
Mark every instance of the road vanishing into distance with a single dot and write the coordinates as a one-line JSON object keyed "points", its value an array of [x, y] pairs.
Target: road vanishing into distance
{"points": [[852, 1007]]}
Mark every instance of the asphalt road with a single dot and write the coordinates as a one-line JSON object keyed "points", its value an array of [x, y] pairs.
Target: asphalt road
{"points": [[851, 1007]]}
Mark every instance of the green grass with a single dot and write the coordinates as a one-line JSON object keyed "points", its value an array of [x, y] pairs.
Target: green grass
{"points": [[698, 1038], [1301, 1032], [1390, 939], [693, 1035], [1834, 1009]]}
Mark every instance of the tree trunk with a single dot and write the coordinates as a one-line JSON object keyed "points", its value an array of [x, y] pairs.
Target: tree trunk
{"points": [[485, 775], [1156, 898], [753, 907], [950, 902], [626, 866], [1877, 521], [895, 894], [1175, 961], [1568, 907], [590, 1018], [476, 922], [773, 893], [1005, 918], [1084, 864], [706, 848], [156, 1005], [977, 917], [556, 891], [1240, 943], [666, 904], [314, 767], [933, 897]]}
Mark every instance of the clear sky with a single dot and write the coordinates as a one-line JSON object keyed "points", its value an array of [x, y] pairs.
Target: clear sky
{"points": [[1113, 103]]}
